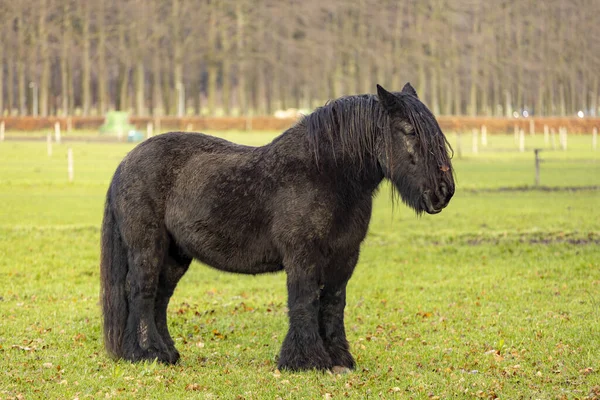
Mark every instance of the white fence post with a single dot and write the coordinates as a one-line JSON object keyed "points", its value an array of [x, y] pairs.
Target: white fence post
{"points": [[546, 134], [484, 136], [70, 166], [57, 132], [49, 144], [149, 130], [531, 127], [522, 140], [458, 145], [562, 137], [1, 131]]}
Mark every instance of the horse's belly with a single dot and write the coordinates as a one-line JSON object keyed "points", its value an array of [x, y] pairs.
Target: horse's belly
{"points": [[242, 253]]}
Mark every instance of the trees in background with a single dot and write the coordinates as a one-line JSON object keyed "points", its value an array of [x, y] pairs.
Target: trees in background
{"points": [[228, 57]]}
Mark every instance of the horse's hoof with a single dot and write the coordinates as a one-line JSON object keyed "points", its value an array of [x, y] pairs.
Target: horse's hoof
{"points": [[151, 355], [318, 363], [173, 356], [338, 369]]}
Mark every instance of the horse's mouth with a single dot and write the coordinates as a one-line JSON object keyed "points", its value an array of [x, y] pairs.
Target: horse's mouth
{"points": [[428, 206]]}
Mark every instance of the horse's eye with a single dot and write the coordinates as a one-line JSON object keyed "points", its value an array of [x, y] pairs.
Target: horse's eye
{"points": [[406, 128]]}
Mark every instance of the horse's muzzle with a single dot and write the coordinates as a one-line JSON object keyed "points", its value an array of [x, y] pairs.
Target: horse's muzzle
{"points": [[435, 202]]}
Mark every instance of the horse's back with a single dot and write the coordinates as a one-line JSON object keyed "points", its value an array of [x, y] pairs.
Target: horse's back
{"points": [[147, 176]]}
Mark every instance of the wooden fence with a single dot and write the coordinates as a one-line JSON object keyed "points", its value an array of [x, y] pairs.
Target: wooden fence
{"points": [[447, 123]]}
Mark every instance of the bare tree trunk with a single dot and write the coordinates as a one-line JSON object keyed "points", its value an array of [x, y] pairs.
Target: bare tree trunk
{"points": [[139, 88], [595, 91], [339, 88], [86, 59], [124, 65], [562, 99], [363, 63], [1, 78], [397, 46], [157, 95], [21, 87], [64, 69], [11, 85], [350, 59], [167, 91], [102, 78], [177, 54], [211, 60], [241, 56], [474, 66], [45, 59], [226, 71], [420, 61], [434, 74]]}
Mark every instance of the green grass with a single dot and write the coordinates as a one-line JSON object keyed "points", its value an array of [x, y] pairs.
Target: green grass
{"points": [[497, 296]]}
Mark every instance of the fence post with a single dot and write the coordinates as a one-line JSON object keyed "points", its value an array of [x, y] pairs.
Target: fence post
{"points": [[157, 124], [537, 166], [57, 132], [70, 166], [546, 135], [149, 130], [521, 140], [553, 136], [483, 136], [562, 137], [49, 144], [531, 127]]}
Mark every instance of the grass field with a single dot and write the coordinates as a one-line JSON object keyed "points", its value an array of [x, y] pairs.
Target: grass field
{"points": [[496, 297]]}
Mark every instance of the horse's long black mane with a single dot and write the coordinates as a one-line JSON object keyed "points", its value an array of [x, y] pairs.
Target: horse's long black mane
{"points": [[350, 122], [353, 123]]}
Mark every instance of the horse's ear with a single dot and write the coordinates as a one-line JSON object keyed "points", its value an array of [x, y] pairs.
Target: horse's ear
{"points": [[387, 99], [410, 90]]}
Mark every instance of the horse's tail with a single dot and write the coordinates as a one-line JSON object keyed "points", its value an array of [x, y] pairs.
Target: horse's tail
{"points": [[113, 275]]}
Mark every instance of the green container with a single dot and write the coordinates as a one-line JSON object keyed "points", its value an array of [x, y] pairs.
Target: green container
{"points": [[116, 121]]}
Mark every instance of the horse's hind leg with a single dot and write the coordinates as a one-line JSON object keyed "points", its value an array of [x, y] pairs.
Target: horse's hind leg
{"points": [[331, 312], [146, 255], [176, 264]]}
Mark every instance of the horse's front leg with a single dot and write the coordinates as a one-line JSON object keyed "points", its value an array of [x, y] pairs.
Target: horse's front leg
{"points": [[331, 312], [303, 346]]}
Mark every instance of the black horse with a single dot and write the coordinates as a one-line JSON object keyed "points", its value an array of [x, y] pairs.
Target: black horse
{"points": [[301, 204]]}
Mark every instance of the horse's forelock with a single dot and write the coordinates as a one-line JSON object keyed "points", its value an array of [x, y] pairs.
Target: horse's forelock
{"points": [[433, 144]]}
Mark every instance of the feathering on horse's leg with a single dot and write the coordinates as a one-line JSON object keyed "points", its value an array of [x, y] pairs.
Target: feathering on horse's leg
{"points": [[173, 270], [303, 347], [331, 312], [142, 340]]}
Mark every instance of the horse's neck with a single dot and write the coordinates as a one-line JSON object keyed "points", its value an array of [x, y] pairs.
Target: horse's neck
{"points": [[329, 157]]}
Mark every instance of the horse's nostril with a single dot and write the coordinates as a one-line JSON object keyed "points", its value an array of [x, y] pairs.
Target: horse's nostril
{"points": [[444, 189]]}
